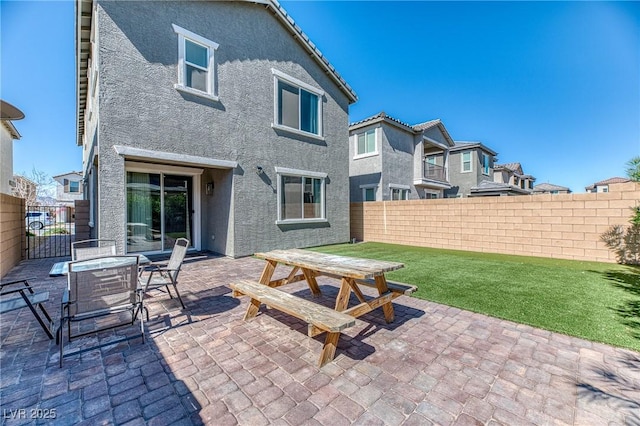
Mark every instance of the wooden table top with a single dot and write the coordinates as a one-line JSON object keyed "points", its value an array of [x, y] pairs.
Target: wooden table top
{"points": [[352, 267]]}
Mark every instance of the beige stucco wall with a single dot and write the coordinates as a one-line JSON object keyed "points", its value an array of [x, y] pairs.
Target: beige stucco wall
{"points": [[564, 226], [12, 232]]}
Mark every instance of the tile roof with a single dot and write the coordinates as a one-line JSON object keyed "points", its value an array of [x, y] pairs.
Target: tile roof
{"points": [[490, 186], [510, 166], [549, 187], [417, 128], [612, 180], [460, 145], [427, 124], [382, 116]]}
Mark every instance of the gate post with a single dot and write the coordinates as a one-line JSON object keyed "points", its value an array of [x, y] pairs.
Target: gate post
{"points": [[83, 231]]}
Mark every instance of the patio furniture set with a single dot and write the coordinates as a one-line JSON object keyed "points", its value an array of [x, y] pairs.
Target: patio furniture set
{"points": [[101, 283]]}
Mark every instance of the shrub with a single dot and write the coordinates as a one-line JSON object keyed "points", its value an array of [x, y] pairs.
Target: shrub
{"points": [[625, 240]]}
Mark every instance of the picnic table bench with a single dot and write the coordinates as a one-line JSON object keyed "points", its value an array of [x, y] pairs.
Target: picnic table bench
{"points": [[306, 265], [319, 318]]}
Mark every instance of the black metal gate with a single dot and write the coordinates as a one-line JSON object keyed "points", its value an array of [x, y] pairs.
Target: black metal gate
{"points": [[50, 231]]}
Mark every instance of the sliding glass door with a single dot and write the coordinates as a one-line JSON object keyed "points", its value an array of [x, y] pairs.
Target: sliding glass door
{"points": [[159, 211]]}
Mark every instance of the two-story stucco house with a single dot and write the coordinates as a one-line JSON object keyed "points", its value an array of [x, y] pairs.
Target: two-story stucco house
{"points": [[392, 160], [219, 121], [508, 179], [470, 164], [8, 133], [603, 185], [68, 188], [550, 188]]}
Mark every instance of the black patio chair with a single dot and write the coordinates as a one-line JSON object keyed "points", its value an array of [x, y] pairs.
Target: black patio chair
{"points": [[97, 288], [24, 296]]}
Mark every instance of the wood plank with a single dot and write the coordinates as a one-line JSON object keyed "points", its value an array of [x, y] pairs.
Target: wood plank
{"points": [[363, 308], [285, 281], [267, 272], [322, 317], [333, 264], [342, 301], [329, 348], [396, 287], [387, 308], [311, 281]]}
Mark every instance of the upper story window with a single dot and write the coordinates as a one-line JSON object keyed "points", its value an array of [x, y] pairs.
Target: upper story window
{"points": [[301, 196], [297, 106], [71, 185], [366, 144], [485, 164], [196, 64], [466, 161]]}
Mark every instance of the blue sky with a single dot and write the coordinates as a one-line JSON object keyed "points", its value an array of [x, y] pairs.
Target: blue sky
{"points": [[552, 85]]}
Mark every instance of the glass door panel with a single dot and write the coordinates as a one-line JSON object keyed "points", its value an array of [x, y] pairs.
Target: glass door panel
{"points": [[143, 212], [178, 205], [159, 211]]}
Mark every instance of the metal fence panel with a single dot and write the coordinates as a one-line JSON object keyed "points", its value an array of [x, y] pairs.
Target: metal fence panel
{"points": [[50, 231]]}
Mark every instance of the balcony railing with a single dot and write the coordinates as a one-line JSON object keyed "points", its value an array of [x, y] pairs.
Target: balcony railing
{"points": [[434, 172]]}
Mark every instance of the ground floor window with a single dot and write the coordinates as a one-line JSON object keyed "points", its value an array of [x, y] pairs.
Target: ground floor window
{"points": [[159, 210], [399, 192], [301, 196], [368, 192], [430, 195]]}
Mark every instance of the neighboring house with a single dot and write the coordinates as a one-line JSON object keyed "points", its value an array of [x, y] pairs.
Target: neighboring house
{"points": [[603, 185], [508, 179], [392, 160], [25, 188], [549, 188], [9, 133], [218, 121], [68, 188], [470, 163]]}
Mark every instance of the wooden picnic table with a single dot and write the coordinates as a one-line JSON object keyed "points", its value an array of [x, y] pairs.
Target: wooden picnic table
{"points": [[351, 271], [307, 265]]}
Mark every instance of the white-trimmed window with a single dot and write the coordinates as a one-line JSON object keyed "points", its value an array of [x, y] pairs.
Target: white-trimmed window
{"points": [[399, 192], [431, 195], [74, 186], [301, 196], [196, 64], [369, 192], [485, 164], [366, 143], [297, 105], [466, 162]]}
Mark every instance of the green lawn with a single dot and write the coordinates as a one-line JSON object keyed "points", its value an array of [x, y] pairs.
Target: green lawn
{"points": [[595, 301]]}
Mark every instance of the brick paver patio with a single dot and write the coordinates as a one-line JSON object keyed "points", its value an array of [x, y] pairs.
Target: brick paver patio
{"points": [[433, 365]]}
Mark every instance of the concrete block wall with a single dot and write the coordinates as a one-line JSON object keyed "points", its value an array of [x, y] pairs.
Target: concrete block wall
{"points": [[566, 226], [12, 232]]}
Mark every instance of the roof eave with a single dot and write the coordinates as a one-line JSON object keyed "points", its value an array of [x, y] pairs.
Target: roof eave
{"points": [[83, 14]]}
